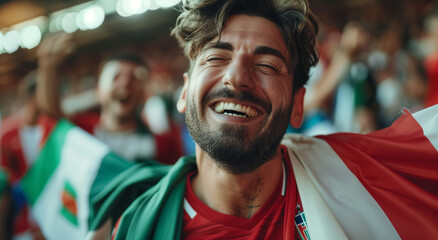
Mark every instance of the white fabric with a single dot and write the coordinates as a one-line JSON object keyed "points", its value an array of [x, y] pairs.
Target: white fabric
{"points": [[343, 118], [130, 145], [156, 115], [336, 204], [30, 137], [79, 168], [189, 209], [428, 120], [23, 236]]}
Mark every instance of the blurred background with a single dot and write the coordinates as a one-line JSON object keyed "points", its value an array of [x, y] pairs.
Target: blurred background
{"points": [[388, 48]]}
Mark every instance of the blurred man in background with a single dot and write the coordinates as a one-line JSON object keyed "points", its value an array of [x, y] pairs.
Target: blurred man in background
{"points": [[120, 94], [20, 136], [20, 132]]}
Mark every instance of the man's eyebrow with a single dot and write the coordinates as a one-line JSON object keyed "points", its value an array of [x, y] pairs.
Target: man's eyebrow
{"points": [[221, 45], [271, 51], [260, 50]]}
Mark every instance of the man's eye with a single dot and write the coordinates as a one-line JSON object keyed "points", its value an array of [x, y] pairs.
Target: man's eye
{"points": [[267, 68], [215, 59]]}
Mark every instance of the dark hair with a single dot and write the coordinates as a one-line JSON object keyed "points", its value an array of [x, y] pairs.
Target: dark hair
{"points": [[126, 56], [201, 21], [123, 56]]}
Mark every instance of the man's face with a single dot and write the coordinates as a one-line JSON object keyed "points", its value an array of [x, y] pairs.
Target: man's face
{"points": [[120, 88], [239, 95]]}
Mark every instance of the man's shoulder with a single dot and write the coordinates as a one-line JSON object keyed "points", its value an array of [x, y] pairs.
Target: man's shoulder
{"points": [[145, 174], [9, 124], [304, 147], [295, 141], [143, 183], [86, 120]]}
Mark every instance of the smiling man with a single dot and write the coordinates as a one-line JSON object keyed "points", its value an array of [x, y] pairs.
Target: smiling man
{"points": [[120, 90], [249, 62], [239, 95]]}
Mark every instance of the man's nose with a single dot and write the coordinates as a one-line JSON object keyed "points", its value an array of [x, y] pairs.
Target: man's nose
{"points": [[125, 80], [239, 75]]}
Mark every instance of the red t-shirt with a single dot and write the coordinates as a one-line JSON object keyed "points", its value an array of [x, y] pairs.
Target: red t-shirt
{"points": [[202, 222], [12, 157]]}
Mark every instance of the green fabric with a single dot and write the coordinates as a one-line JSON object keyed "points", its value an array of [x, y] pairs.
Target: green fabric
{"points": [[3, 182], [38, 175], [152, 196], [111, 166]]}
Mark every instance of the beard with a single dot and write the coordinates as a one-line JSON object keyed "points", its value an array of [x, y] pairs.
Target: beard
{"points": [[229, 145]]}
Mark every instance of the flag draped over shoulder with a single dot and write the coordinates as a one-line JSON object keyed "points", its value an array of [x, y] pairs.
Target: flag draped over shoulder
{"points": [[156, 193], [71, 168], [382, 185]]}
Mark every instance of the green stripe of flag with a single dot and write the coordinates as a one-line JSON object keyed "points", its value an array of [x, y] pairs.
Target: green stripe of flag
{"points": [[68, 188], [112, 165], [38, 175], [69, 216], [3, 182]]}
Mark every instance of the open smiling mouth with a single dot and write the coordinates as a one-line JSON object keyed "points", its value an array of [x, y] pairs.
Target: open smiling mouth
{"points": [[233, 109], [123, 96]]}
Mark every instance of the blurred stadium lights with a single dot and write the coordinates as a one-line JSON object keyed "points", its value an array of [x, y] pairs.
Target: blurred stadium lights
{"points": [[1, 43], [86, 16], [69, 22], [11, 41], [30, 36], [154, 5], [167, 3], [26, 34], [90, 18], [126, 8]]}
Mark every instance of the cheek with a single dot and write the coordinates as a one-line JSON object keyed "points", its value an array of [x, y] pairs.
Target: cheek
{"points": [[204, 82], [138, 88], [193, 95], [279, 93]]}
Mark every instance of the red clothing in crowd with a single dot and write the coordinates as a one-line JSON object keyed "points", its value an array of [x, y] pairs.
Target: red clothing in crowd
{"points": [[431, 66]]}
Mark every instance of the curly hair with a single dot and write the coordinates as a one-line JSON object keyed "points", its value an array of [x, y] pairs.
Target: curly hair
{"points": [[201, 21]]}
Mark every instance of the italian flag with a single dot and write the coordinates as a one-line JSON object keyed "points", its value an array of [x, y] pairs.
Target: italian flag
{"points": [[382, 185], [72, 167]]}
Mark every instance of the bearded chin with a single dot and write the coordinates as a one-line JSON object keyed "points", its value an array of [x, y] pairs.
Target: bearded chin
{"points": [[231, 147]]}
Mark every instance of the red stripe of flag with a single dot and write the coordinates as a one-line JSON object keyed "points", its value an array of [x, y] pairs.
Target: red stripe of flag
{"points": [[399, 167], [69, 203]]}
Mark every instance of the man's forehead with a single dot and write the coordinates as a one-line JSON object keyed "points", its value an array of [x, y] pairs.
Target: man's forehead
{"points": [[115, 67], [252, 32]]}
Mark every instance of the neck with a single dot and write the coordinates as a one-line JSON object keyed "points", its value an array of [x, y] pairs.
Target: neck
{"points": [[239, 195], [112, 123], [29, 115]]}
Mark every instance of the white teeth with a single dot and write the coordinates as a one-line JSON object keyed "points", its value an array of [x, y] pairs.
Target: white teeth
{"points": [[239, 108], [246, 110], [219, 107]]}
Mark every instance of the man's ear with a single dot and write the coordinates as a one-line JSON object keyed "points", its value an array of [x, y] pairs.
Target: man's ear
{"points": [[296, 118], [182, 101]]}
